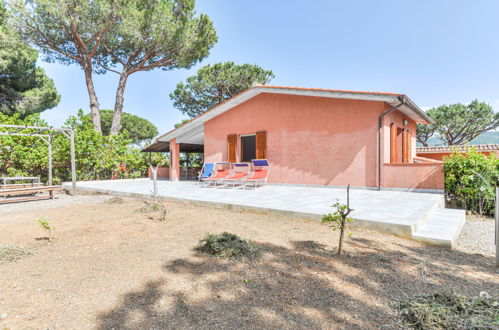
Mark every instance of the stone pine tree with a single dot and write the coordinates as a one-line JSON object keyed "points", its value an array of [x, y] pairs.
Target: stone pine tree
{"points": [[216, 83], [458, 123], [153, 34], [424, 133], [68, 32], [24, 88], [139, 130]]}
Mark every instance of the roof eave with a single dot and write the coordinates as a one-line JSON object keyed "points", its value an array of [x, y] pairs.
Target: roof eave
{"points": [[418, 111], [199, 120]]}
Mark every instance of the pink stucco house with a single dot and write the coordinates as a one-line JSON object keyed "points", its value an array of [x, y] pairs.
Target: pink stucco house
{"points": [[313, 137]]}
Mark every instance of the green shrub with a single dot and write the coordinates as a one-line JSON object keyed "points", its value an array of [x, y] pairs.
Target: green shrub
{"points": [[227, 246], [450, 311], [98, 156], [470, 179]]}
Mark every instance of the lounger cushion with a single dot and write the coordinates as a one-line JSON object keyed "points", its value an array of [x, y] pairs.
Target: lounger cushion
{"points": [[221, 174], [237, 176], [259, 175]]}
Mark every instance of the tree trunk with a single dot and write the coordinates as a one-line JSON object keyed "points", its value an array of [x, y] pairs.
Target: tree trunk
{"points": [[94, 103], [118, 104], [344, 221], [342, 234]]}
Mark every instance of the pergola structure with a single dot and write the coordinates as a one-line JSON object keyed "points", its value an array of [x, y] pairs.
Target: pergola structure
{"points": [[174, 149], [46, 134]]}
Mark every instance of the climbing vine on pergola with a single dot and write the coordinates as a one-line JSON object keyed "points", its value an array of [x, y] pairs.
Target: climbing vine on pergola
{"points": [[46, 134]]}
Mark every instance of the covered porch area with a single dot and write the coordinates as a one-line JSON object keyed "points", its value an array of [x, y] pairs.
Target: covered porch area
{"points": [[185, 159]]}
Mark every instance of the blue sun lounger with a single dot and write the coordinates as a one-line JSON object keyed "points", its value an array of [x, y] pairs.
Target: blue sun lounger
{"points": [[206, 172]]}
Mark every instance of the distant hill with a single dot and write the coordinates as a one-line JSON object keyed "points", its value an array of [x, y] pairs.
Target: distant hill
{"points": [[487, 138], [491, 137]]}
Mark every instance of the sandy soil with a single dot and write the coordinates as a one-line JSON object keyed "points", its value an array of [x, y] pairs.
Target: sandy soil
{"points": [[111, 267], [61, 199]]}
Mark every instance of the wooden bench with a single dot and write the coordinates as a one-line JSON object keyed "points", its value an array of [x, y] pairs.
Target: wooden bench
{"points": [[20, 185], [23, 192]]}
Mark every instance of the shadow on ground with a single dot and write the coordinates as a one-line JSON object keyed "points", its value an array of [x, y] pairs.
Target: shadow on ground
{"points": [[305, 286]]}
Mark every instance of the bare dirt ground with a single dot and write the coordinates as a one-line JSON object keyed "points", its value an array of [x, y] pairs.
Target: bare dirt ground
{"points": [[111, 267]]}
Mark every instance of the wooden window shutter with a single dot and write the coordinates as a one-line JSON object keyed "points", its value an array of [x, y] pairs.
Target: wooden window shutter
{"points": [[231, 150], [393, 144], [405, 153], [409, 147], [261, 145]]}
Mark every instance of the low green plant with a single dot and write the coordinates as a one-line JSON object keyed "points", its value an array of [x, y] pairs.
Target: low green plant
{"points": [[449, 310], [338, 219], [469, 180], [228, 246], [44, 223], [159, 210], [12, 253], [151, 207]]}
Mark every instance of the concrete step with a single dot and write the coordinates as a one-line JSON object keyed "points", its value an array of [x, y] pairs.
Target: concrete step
{"points": [[442, 227], [420, 221]]}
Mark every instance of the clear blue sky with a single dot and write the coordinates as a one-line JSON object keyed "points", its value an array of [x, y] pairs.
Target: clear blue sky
{"points": [[436, 52]]}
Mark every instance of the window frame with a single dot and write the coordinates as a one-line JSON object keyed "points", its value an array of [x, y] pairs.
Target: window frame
{"points": [[242, 147]]}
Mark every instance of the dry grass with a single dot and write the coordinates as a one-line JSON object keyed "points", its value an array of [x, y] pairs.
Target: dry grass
{"points": [[227, 246], [448, 310], [113, 268], [13, 253], [115, 200]]}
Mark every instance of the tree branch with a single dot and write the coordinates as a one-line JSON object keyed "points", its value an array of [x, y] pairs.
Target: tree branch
{"points": [[45, 40], [105, 67], [79, 41]]}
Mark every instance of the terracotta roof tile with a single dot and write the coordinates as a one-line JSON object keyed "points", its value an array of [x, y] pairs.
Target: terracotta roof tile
{"points": [[478, 147]]}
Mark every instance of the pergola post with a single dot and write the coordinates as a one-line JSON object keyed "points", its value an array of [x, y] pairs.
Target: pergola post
{"points": [[73, 162], [174, 160], [50, 159]]}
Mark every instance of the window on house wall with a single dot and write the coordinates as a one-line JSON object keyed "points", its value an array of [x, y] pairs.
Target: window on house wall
{"points": [[248, 148]]}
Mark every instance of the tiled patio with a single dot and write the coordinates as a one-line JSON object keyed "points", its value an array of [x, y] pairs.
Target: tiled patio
{"points": [[403, 213]]}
